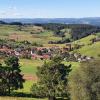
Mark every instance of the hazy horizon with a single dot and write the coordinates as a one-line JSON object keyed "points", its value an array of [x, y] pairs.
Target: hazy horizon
{"points": [[49, 17]]}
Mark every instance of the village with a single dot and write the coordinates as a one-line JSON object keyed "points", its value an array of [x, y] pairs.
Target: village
{"points": [[33, 52], [44, 53]]}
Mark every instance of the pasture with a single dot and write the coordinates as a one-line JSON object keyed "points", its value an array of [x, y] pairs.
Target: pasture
{"points": [[31, 33], [29, 69], [89, 49]]}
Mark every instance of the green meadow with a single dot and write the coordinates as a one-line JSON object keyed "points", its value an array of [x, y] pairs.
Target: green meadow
{"points": [[31, 33], [89, 49]]}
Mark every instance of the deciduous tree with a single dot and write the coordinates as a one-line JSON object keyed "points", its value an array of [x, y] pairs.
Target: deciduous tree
{"points": [[84, 83], [53, 78]]}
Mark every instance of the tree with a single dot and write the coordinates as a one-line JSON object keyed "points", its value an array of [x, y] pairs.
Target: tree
{"points": [[63, 35], [53, 79], [14, 79], [2, 80], [39, 52], [84, 83]]}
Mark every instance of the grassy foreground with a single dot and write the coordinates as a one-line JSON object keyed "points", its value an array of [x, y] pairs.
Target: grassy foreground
{"points": [[18, 98]]}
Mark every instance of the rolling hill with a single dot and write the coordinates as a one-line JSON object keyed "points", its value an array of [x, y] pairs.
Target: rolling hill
{"points": [[89, 49], [88, 20]]}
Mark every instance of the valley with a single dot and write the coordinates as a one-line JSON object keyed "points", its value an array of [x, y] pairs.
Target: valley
{"points": [[35, 45]]}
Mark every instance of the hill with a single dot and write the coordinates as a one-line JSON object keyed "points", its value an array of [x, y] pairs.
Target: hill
{"points": [[88, 20], [40, 34], [88, 48], [30, 33]]}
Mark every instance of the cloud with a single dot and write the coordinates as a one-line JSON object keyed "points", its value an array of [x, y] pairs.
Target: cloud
{"points": [[12, 8], [10, 12]]}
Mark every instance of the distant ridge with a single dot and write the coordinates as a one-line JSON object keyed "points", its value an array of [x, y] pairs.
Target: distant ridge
{"points": [[88, 20]]}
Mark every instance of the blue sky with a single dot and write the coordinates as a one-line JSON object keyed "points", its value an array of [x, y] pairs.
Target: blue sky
{"points": [[49, 8]]}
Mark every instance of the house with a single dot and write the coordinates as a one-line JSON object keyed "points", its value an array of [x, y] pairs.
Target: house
{"points": [[7, 52], [46, 56], [34, 56], [95, 40], [69, 46]]}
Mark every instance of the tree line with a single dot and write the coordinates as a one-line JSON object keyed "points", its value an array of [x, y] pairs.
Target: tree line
{"points": [[77, 30]]}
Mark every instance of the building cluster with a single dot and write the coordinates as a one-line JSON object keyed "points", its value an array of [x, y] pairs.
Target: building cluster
{"points": [[82, 58], [34, 52]]}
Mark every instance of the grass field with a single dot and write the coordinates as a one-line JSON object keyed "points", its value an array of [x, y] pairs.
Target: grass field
{"points": [[30, 66], [27, 86], [13, 32], [85, 40], [29, 69], [18, 98], [89, 50]]}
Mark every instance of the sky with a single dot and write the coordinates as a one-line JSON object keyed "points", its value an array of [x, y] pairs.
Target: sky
{"points": [[49, 8]]}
